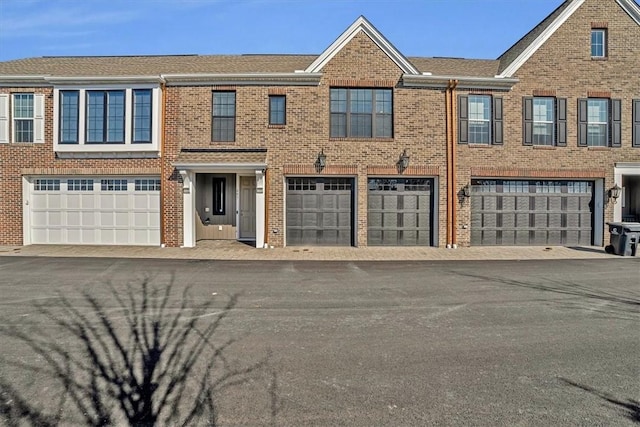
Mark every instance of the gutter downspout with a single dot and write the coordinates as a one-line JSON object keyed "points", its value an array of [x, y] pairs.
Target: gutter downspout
{"points": [[163, 90], [266, 207], [451, 158], [454, 167]]}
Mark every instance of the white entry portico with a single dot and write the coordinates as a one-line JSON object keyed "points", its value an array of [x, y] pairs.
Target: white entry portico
{"points": [[226, 199]]}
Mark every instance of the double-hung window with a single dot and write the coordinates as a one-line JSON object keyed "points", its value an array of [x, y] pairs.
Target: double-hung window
{"points": [[599, 122], [545, 121], [361, 113], [22, 117], [104, 117], [599, 43], [224, 116], [479, 119]]}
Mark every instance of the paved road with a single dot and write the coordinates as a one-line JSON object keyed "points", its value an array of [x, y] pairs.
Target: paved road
{"points": [[514, 343]]}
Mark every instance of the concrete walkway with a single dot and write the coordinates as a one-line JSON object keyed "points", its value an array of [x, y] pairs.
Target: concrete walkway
{"points": [[233, 250]]}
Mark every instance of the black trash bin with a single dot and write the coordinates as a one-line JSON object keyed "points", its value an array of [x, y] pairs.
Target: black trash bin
{"points": [[624, 238]]}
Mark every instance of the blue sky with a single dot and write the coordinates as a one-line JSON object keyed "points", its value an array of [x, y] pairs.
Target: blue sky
{"points": [[451, 28]]}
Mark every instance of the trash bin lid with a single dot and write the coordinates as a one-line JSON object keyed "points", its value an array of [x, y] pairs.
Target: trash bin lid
{"points": [[631, 226]]}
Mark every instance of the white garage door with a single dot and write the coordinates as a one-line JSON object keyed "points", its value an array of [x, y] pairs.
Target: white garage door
{"points": [[95, 211]]}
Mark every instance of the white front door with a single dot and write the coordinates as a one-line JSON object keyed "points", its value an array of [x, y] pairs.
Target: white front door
{"points": [[94, 211], [247, 207]]}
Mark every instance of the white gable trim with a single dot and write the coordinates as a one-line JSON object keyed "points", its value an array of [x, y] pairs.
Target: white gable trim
{"points": [[542, 38], [632, 9], [361, 24]]}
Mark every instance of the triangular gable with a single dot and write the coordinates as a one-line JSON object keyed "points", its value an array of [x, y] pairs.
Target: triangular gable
{"points": [[361, 24], [629, 6], [632, 9]]}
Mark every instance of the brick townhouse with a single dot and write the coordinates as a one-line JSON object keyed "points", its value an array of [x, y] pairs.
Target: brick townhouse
{"points": [[359, 145]]}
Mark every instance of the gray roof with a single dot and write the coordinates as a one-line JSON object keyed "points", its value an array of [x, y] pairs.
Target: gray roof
{"points": [[514, 51], [114, 66]]}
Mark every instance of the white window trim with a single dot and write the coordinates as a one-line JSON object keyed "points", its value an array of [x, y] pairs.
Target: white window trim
{"points": [[606, 123], [604, 42], [7, 127], [128, 146], [551, 122]]}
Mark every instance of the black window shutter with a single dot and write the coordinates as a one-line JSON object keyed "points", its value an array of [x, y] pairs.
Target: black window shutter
{"points": [[527, 120], [616, 123], [636, 122], [463, 119], [582, 122], [498, 138], [561, 122]]}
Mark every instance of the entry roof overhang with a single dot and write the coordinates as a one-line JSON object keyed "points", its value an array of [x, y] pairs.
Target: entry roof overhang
{"points": [[221, 160]]}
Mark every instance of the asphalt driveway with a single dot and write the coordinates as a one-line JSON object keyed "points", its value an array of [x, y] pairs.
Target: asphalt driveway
{"points": [[368, 343]]}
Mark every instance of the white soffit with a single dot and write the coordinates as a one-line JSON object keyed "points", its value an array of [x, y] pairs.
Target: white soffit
{"points": [[361, 24], [540, 40]]}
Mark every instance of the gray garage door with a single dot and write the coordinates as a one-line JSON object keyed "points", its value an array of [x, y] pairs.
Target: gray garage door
{"points": [[319, 211], [520, 212], [399, 212]]}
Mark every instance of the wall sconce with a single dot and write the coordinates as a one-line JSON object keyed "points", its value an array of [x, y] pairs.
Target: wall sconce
{"points": [[466, 191], [403, 161], [321, 161], [614, 193]]}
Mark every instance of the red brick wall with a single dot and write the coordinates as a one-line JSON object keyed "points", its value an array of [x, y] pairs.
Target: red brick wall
{"points": [[19, 159], [564, 65]]}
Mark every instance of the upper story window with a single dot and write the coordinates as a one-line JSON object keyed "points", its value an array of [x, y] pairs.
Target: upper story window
{"points": [[545, 121], [277, 110], [361, 113], [598, 43], [21, 118], [599, 122], [106, 119], [224, 116], [479, 119]]}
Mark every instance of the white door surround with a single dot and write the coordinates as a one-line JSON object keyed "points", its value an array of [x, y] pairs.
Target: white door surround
{"points": [[188, 175], [621, 170]]}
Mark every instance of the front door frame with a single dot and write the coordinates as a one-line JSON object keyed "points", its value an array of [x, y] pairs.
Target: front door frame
{"points": [[621, 170], [188, 173]]}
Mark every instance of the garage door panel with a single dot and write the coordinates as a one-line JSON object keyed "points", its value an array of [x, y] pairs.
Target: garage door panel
{"points": [[399, 211], [79, 212], [319, 211], [544, 216]]}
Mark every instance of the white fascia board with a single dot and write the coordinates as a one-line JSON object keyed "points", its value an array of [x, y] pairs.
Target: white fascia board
{"points": [[541, 39], [275, 79], [361, 24], [211, 167], [632, 9], [85, 80], [463, 82], [28, 80]]}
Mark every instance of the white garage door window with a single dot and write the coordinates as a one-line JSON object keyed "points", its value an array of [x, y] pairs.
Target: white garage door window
{"points": [[95, 211]]}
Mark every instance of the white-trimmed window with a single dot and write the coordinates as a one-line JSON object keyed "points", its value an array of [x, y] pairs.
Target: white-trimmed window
{"points": [[107, 118], [22, 117], [46, 185], [480, 119], [80, 185], [113, 185], [599, 43], [147, 185], [599, 122]]}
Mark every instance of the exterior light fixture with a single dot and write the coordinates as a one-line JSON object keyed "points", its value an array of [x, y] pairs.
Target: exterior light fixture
{"points": [[321, 160], [403, 161], [466, 191], [614, 193]]}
